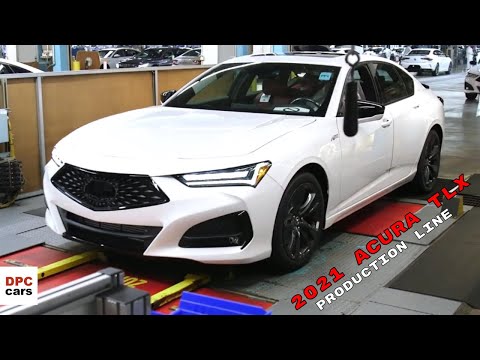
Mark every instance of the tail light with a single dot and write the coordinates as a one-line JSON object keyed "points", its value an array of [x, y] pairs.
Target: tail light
{"points": [[196, 62], [404, 58], [426, 58]]}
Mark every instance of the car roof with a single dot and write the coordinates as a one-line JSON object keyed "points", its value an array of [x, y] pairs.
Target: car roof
{"points": [[117, 48], [167, 47], [22, 65], [428, 49], [321, 58], [196, 49]]}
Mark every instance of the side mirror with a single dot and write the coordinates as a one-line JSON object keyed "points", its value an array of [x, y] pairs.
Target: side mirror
{"points": [[367, 109], [350, 119], [167, 95]]}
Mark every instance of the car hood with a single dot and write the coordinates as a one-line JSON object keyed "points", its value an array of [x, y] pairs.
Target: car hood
{"points": [[164, 140], [475, 70]]}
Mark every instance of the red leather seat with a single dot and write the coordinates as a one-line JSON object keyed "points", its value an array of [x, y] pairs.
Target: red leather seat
{"points": [[274, 93]]}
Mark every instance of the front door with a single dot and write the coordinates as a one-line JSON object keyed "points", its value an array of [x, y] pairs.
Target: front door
{"points": [[367, 156]]}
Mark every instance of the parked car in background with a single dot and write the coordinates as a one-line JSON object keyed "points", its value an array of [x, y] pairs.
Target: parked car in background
{"points": [[427, 59], [15, 67], [375, 51], [157, 56], [346, 48], [191, 57], [398, 53], [472, 83], [114, 55]]}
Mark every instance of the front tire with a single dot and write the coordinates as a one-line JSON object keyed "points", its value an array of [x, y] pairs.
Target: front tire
{"points": [[299, 223], [471, 96], [428, 165]]}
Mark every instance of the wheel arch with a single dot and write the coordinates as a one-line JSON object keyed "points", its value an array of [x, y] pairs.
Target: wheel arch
{"points": [[320, 174], [438, 129]]}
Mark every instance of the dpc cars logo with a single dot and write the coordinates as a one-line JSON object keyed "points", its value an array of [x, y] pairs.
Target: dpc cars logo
{"points": [[18, 285]]}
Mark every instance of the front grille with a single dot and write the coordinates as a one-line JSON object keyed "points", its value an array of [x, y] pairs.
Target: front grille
{"points": [[101, 191], [121, 237]]}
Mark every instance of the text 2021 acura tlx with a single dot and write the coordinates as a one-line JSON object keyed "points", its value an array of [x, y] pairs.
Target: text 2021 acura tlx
{"points": [[246, 162]]}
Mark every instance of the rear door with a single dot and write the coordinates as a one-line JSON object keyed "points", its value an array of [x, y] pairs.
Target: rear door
{"points": [[397, 94]]}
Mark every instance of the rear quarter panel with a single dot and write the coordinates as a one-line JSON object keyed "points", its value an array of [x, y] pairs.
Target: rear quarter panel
{"points": [[410, 135]]}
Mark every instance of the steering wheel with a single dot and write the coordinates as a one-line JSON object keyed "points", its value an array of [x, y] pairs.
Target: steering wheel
{"points": [[311, 104]]}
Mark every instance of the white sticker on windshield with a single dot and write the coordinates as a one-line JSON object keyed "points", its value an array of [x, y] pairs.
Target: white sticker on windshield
{"points": [[325, 76], [265, 98], [292, 109]]}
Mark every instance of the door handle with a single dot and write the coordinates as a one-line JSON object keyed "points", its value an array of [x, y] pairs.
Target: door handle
{"points": [[416, 106], [386, 123]]}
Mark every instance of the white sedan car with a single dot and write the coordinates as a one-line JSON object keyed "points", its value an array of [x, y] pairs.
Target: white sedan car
{"points": [[472, 83], [15, 67], [246, 162], [112, 56], [433, 60]]}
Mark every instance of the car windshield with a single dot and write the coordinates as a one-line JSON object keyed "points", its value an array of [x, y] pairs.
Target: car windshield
{"points": [[105, 53], [193, 52], [151, 53], [273, 88], [419, 52]]}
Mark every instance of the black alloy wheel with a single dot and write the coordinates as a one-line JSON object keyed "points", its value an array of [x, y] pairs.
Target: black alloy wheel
{"points": [[429, 164], [299, 223]]}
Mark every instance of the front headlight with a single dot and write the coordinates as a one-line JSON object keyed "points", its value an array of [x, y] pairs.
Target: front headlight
{"points": [[118, 65], [56, 158], [249, 175], [144, 65]]}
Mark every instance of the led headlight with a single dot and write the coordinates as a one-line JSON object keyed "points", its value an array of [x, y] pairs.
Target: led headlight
{"points": [[144, 65], [249, 175], [56, 158]]}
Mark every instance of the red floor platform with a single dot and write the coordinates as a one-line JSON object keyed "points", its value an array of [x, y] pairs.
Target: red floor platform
{"points": [[376, 217]]}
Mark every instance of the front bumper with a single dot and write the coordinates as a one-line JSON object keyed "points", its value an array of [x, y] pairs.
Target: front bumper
{"points": [[187, 207], [472, 84]]}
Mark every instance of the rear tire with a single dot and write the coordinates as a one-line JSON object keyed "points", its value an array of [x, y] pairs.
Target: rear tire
{"points": [[429, 165], [449, 71], [471, 96], [299, 223], [436, 71]]}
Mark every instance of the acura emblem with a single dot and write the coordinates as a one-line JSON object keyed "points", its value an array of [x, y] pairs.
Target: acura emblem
{"points": [[100, 189]]}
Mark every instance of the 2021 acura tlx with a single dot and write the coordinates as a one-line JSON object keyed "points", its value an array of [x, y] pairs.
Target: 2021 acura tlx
{"points": [[248, 161]]}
